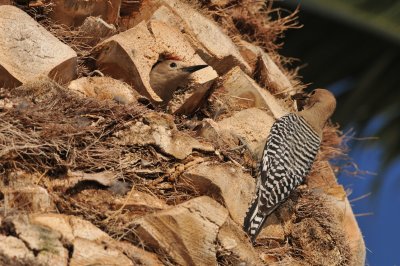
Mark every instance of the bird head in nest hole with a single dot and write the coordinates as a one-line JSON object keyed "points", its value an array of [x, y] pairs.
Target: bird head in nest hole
{"points": [[170, 72]]}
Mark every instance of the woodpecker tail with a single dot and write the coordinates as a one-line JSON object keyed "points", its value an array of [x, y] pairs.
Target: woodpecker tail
{"points": [[255, 218]]}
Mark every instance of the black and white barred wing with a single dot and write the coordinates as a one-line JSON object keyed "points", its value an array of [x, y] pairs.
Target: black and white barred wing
{"points": [[287, 159]]}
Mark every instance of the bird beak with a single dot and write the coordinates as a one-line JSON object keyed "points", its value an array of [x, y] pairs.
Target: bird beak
{"points": [[301, 100], [192, 69], [300, 96]]}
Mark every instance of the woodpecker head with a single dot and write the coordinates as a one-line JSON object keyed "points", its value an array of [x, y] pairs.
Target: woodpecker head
{"points": [[323, 100], [167, 75], [319, 108]]}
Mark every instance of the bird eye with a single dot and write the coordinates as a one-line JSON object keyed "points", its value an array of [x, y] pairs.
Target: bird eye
{"points": [[172, 65], [313, 92]]}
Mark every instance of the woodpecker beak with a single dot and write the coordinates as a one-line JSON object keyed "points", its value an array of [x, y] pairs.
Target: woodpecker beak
{"points": [[301, 100], [300, 96], [192, 69]]}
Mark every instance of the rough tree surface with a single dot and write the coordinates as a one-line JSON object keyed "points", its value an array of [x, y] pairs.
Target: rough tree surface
{"points": [[95, 171]]}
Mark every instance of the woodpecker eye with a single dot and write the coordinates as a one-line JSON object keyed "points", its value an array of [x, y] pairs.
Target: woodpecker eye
{"points": [[172, 65]]}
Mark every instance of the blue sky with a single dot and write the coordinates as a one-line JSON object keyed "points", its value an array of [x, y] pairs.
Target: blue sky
{"points": [[380, 226], [378, 214]]}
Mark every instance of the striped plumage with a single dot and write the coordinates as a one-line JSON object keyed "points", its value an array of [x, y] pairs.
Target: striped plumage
{"points": [[288, 156]]}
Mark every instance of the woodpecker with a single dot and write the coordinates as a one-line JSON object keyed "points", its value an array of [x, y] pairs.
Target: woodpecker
{"points": [[165, 76], [288, 156], [169, 73]]}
